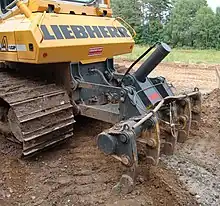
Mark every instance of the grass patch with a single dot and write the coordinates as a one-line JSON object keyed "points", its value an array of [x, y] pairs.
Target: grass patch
{"points": [[180, 55]]}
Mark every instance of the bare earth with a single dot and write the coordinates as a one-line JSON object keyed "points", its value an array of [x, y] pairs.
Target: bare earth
{"points": [[77, 173]]}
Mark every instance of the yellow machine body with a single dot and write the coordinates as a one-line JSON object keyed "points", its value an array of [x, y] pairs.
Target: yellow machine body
{"points": [[61, 36]]}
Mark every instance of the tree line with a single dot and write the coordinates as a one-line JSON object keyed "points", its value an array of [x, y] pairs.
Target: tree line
{"points": [[181, 23]]}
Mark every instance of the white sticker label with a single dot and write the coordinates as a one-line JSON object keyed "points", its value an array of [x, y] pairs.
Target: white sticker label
{"points": [[13, 47], [21, 47]]}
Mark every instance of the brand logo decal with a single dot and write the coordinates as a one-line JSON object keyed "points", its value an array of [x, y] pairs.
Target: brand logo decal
{"points": [[54, 32]]}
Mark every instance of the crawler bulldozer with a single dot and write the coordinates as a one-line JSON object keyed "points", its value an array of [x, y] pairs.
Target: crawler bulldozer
{"points": [[56, 62]]}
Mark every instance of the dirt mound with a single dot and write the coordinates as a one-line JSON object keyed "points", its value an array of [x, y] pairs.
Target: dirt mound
{"points": [[197, 161], [211, 109]]}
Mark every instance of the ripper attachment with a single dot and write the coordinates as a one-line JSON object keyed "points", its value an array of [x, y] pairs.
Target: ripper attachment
{"points": [[152, 118]]}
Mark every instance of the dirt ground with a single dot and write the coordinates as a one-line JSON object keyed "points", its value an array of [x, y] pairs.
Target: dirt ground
{"points": [[77, 173]]}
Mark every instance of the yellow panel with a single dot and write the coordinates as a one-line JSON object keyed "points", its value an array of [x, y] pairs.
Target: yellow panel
{"points": [[65, 38], [8, 56], [25, 40], [80, 54], [64, 45], [7, 46], [8, 36]]}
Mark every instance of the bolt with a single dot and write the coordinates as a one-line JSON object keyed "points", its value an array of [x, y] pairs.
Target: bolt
{"points": [[122, 99], [123, 139], [151, 142], [122, 93]]}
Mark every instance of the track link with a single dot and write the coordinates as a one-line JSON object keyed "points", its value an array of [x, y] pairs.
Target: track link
{"points": [[40, 115]]}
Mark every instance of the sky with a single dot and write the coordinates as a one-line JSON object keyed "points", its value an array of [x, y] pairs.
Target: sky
{"points": [[213, 3]]}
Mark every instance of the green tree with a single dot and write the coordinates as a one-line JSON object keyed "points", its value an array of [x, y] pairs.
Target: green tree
{"points": [[157, 9], [178, 22], [217, 29], [147, 17], [178, 30], [129, 10], [156, 13], [204, 28]]}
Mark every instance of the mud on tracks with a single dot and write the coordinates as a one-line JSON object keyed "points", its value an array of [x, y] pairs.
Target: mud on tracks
{"points": [[37, 113]]}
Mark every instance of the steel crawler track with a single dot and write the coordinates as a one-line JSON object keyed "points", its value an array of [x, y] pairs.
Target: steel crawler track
{"points": [[39, 115]]}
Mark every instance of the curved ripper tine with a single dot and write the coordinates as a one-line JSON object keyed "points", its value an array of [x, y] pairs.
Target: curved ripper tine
{"points": [[169, 144], [150, 139], [185, 119], [127, 181], [169, 134], [168, 147], [196, 103]]}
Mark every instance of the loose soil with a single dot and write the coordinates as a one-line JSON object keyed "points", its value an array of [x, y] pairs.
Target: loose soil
{"points": [[77, 173]]}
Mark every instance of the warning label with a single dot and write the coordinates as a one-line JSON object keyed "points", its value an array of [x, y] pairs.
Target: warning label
{"points": [[4, 44], [96, 51]]}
